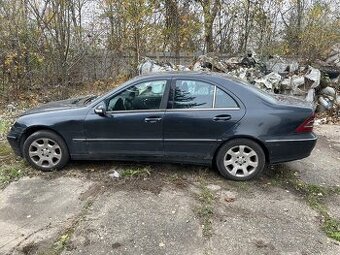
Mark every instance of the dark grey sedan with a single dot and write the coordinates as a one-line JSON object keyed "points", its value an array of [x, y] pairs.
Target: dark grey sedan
{"points": [[200, 118]]}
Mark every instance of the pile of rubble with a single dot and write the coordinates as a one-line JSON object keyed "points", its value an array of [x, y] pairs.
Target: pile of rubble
{"points": [[277, 75]]}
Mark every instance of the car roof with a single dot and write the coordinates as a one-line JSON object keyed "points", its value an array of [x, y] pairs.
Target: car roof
{"points": [[207, 75], [203, 74], [173, 74]]}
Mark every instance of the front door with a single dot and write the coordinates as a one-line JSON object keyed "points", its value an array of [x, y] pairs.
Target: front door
{"points": [[133, 122]]}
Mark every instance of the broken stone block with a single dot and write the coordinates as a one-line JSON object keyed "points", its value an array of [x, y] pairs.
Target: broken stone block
{"points": [[314, 76], [326, 103], [270, 81], [328, 91], [282, 65], [310, 96]]}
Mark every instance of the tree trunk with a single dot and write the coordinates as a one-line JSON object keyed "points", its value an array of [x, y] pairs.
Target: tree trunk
{"points": [[172, 32], [209, 13]]}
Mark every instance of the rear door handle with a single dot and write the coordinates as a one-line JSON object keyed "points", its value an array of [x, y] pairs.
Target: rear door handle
{"points": [[223, 117], [152, 119]]}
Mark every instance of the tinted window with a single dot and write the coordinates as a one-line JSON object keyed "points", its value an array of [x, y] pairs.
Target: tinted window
{"points": [[193, 94], [147, 95], [223, 100]]}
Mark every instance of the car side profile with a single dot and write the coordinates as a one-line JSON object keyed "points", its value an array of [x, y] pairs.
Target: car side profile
{"points": [[183, 117]]}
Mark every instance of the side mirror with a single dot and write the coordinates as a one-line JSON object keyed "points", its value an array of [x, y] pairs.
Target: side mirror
{"points": [[100, 110]]}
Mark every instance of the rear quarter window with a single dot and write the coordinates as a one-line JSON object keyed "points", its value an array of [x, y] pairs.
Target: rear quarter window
{"points": [[224, 100]]}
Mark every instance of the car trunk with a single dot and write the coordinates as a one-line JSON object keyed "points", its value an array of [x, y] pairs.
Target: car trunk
{"points": [[292, 101]]}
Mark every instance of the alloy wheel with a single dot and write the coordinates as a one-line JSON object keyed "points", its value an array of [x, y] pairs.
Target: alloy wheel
{"points": [[45, 152], [241, 161]]}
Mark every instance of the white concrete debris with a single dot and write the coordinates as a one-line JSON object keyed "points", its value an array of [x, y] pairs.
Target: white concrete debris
{"points": [[11, 108], [310, 95], [334, 56], [290, 85], [328, 91], [325, 103], [277, 75], [313, 75], [281, 65], [270, 81], [151, 66], [114, 174]]}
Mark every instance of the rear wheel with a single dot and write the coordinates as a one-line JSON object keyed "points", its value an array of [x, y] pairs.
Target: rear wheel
{"points": [[240, 159], [45, 150]]}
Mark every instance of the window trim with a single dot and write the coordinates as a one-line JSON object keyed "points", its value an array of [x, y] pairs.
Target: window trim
{"points": [[214, 97], [201, 109], [162, 105], [213, 108]]}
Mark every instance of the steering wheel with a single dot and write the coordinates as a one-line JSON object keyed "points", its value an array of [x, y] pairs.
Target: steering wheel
{"points": [[127, 104]]}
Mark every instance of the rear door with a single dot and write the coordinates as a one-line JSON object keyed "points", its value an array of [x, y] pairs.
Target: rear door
{"points": [[199, 114]]}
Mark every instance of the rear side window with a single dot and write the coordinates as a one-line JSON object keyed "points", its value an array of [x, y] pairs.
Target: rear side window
{"points": [[193, 94], [190, 94], [223, 100]]}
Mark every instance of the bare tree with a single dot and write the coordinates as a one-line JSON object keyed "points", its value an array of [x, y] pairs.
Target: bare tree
{"points": [[210, 10]]}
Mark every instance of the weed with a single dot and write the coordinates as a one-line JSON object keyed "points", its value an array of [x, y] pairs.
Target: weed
{"points": [[63, 241], [206, 210], [5, 150], [177, 180], [332, 228], [137, 172], [9, 173], [4, 127]]}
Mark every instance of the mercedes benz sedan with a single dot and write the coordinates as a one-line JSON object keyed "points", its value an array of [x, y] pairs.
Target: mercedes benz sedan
{"points": [[199, 118]]}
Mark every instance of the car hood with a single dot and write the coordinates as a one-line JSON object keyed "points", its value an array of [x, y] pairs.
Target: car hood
{"points": [[61, 105]]}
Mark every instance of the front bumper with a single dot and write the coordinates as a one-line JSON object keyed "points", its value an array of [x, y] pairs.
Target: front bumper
{"points": [[290, 148], [15, 144], [14, 138]]}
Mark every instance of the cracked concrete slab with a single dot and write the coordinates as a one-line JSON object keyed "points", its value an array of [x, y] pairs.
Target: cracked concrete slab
{"points": [[139, 223], [262, 222], [34, 210]]}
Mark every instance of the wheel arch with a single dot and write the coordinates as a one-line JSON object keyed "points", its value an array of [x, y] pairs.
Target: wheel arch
{"points": [[259, 142], [31, 130]]}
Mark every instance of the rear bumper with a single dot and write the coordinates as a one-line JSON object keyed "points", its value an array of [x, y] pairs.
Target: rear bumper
{"points": [[290, 148]]}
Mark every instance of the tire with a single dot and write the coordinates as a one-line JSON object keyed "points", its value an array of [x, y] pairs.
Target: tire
{"points": [[46, 151], [240, 159]]}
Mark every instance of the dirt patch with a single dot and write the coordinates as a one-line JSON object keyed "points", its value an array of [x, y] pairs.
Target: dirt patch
{"points": [[30, 248]]}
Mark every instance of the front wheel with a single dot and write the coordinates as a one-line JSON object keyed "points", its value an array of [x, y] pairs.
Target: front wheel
{"points": [[45, 151], [240, 159]]}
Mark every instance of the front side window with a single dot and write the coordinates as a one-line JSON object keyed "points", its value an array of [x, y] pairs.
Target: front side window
{"points": [[143, 96]]}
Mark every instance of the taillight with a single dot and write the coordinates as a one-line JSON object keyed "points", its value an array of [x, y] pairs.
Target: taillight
{"points": [[307, 125]]}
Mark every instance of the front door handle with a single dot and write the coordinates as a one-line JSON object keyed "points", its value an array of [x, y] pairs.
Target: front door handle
{"points": [[152, 119], [223, 117]]}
